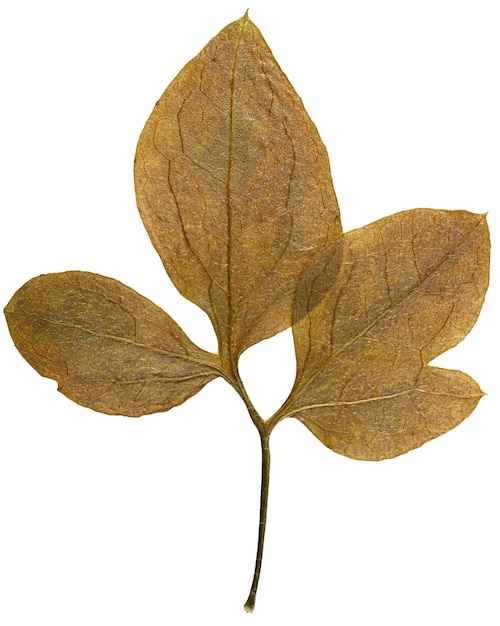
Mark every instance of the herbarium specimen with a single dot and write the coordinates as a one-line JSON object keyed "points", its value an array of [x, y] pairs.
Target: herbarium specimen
{"points": [[234, 188]]}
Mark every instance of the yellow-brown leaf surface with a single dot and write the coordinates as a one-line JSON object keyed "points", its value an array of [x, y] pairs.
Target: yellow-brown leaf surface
{"points": [[234, 188], [233, 185], [402, 291], [109, 348]]}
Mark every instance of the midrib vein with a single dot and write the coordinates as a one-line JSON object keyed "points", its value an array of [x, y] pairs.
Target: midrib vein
{"points": [[132, 342], [229, 198], [322, 405]]}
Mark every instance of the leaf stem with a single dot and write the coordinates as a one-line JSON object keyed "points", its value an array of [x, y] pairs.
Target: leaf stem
{"points": [[264, 428], [264, 493]]}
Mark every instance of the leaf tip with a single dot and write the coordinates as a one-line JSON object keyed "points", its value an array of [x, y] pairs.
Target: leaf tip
{"points": [[245, 19], [8, 309]]}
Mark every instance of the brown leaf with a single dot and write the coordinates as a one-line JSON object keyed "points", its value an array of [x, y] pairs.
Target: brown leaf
{"points": [[233, 185], [109, 348], [403, 290]]}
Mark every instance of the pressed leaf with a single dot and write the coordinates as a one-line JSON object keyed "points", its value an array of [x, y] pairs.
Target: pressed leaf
{"points": [[109, 348], [233, 185], [403, 290]]}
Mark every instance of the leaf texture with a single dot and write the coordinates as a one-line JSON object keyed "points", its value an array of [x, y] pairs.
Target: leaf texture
{"points": [[109, 348], [403, 290], [234, 188], [233, 185]]}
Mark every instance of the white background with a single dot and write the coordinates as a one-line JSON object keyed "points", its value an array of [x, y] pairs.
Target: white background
{"points": [[110, 521]]}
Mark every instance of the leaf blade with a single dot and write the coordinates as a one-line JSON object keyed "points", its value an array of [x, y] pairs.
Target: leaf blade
{"points": [[439, 401], [408, 287], [108, 347], [225, 166]]}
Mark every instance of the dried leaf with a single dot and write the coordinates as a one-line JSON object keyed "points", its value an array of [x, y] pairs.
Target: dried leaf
{"points": [[402, 291], [108, 347], [234, 187]]}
